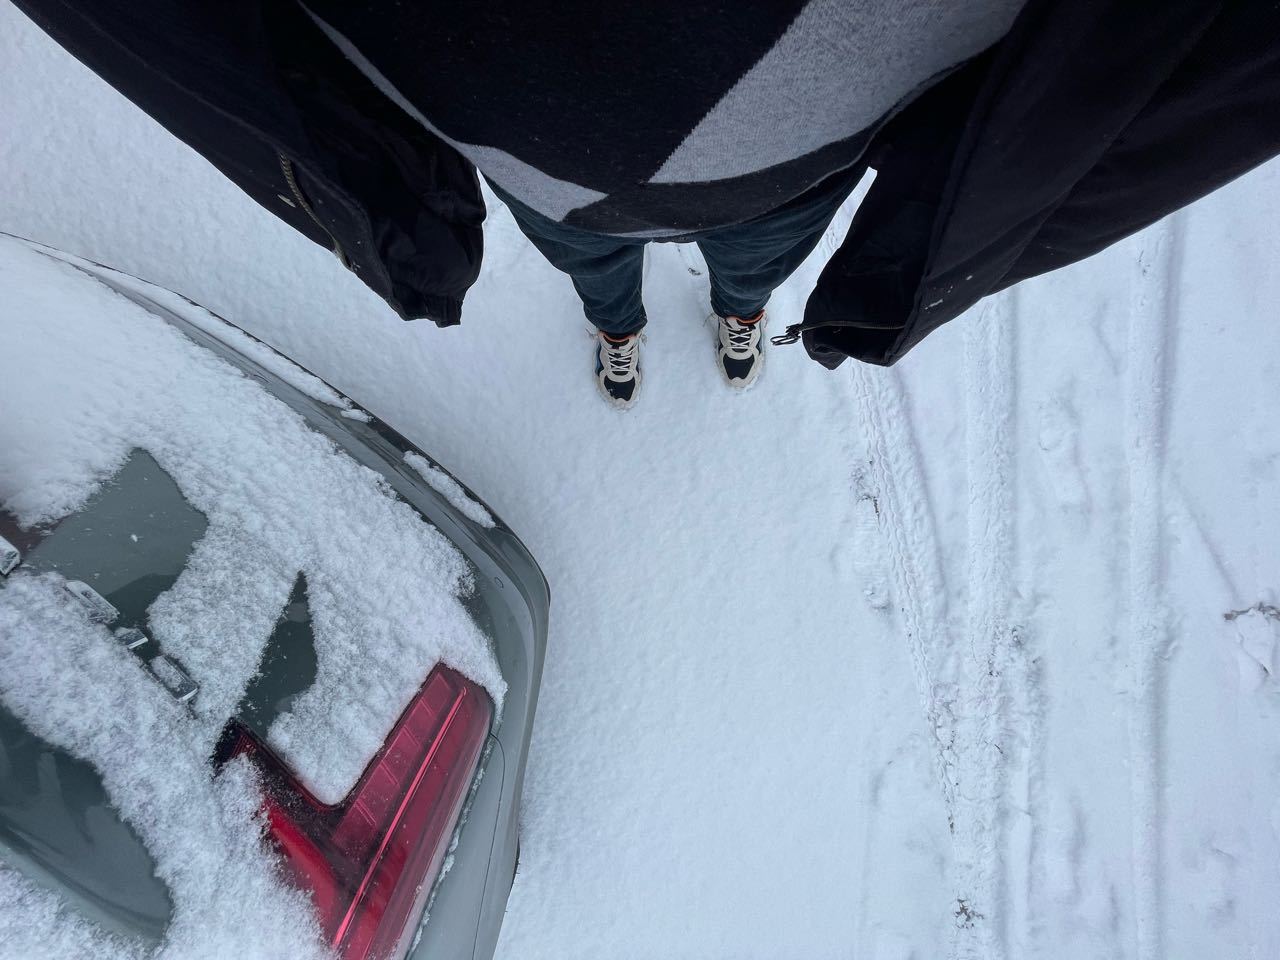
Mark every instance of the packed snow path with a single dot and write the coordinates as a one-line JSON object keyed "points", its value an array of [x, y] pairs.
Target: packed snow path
{"points": [[976, 657], [1153, 323]]}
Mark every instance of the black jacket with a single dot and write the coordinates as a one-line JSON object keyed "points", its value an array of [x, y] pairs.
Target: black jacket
{"points": [[1089, 121]]}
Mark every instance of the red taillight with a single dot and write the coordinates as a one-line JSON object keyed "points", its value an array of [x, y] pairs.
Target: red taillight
{"points": [[371, 859]]}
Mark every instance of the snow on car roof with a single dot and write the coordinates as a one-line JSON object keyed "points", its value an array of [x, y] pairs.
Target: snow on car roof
{"points": [[302, 380], [87, 376]]}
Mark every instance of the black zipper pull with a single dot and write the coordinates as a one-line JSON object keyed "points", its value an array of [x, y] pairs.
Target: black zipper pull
{"points": [[791, 335]]}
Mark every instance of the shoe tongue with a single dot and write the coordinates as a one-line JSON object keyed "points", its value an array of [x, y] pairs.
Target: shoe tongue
{"points": [[624, 349]]}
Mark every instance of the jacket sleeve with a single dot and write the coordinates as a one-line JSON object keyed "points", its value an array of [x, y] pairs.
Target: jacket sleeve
{"points": [[407, 195], [1214, 119], [866, 291], [1090, 122], [255, 88]]}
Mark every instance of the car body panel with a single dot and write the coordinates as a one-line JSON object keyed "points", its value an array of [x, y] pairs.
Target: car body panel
{"points": [[509, 604]]}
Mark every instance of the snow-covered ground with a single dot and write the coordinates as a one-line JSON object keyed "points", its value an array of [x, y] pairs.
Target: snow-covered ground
{"points": [[977, 657]]}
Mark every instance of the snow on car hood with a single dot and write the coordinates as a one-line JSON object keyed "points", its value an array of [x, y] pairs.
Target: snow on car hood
{"points": [[86, 376]]}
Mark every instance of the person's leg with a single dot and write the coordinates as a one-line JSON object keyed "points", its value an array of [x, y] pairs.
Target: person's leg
{"points": [[606, 271], [748, 261]]}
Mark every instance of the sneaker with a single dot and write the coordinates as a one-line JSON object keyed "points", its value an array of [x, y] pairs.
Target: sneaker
{"points": [[738, 353], [618, 368]]}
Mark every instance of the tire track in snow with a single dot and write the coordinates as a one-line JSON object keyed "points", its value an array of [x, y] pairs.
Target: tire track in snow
{"points": [[999, 731], [1027, 860], [983, 742], [893, 477], [891, 482], [1153, 311], [970, 719], [963, 711]]}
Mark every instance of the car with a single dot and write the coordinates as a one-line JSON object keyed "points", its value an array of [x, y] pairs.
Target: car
{"points": [[417, 857]]}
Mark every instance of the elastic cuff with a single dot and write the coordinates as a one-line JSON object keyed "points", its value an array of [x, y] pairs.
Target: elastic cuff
{"points": [[441, 310], [723, 309], [618, 329]]}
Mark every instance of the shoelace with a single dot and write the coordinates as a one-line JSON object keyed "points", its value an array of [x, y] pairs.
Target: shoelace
{"points": [[739, 340], [620, 358]]}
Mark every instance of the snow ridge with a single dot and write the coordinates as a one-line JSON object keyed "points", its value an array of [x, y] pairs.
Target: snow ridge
{"points": [[995, 685], [1152, 316], [979, 698], [982, 736], [893, 468], [451, 490]]}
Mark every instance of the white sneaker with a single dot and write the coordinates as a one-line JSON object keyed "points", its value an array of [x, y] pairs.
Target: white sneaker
{"points": [[738, 349], [618, 369]]}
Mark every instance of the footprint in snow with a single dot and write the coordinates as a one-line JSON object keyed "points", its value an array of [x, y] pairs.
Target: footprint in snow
{"points": [[1059, 441], [1214, 870], [860, 554], [1257, 631]]}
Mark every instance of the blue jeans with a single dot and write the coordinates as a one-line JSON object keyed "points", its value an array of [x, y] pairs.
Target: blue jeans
{"points": [[747, 261]]}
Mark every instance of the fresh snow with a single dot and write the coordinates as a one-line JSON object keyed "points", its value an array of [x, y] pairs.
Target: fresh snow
{"points": [[89, 376], [36, 922], [450, 489], [301, 380], [288, 371], [970, 658], [74, 686]]}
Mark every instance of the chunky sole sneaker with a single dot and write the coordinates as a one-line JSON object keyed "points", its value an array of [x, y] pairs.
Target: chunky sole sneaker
{"points": [[618, 369], [738, 349]]}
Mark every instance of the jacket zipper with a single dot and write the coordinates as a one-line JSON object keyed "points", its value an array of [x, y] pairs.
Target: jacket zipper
{"points": [[286, 167], [793, 333], [790, 335]]}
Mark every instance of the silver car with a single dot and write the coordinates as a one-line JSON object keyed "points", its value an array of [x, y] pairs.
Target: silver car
{"points": [[419, 857]]}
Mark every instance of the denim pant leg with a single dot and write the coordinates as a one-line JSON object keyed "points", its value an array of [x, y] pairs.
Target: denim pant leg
{"points": [[748, 261], [606, 271]]}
